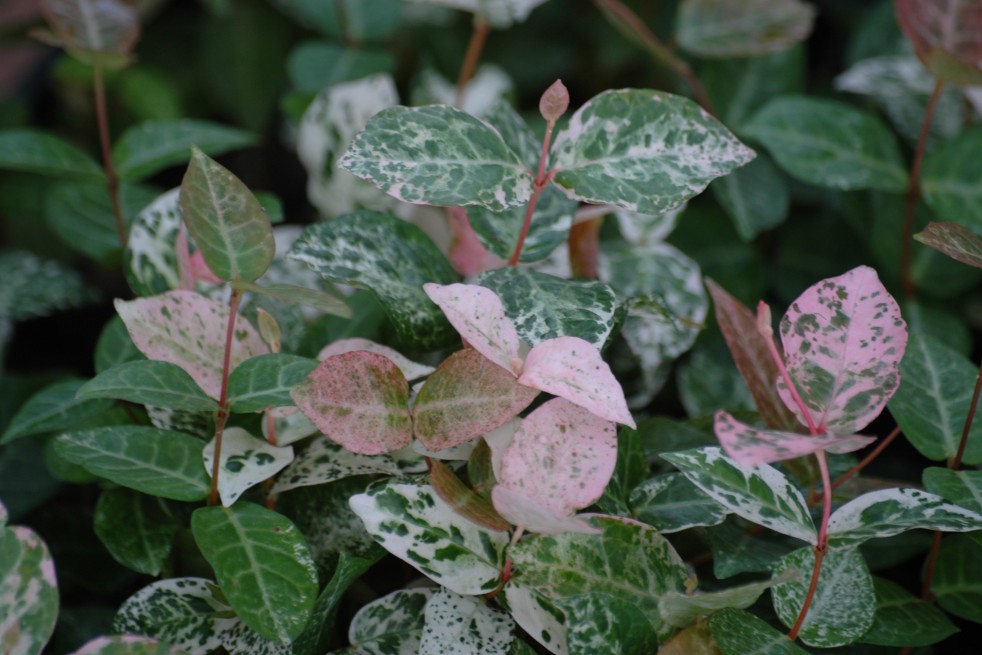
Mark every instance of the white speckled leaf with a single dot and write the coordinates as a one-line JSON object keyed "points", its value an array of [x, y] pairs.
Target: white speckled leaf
{"points": [[413, 523], [126, 645], [762, 495], [150, 259], [844, 604], [531, 514], [38, 287], [537, 616], [646, 151], [240, 639], [742, 28], [500, 14], [438, 155], [671, 503], [391, 625], [28, 592], [680, 609], [409, 368], [463, 625], [246, 461]]}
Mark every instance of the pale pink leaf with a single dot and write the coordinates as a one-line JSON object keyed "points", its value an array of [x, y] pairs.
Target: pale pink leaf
{"points": [[360, 400], [843, 341], [750, 446], [572, 368], [188, 329], [562, 457], [199, 269], [498, 441], [409, 368], [478, 315], [518, 509]]}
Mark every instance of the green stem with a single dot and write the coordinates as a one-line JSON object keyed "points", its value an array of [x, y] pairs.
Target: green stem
{"points": [[821, 547], [112, 181], [222, 417]]}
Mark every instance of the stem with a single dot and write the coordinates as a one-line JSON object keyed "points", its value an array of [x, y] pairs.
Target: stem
{"points": [[474, 48], [956, 463], [112, 181], [542, 179], [821, 546], [866, 460], [222, 417], [932, 560], [913, 188]]}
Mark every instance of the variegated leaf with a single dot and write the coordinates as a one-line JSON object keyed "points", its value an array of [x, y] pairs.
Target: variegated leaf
{"points": [[736, 632], [537, 616], [28, 591], [410, 369], [266, 380], [681, 608], [150, 259], [671, 503], [946, 35], [245, 462], [531, 514], [463, 625], [392, 624], [742, 28], [324, 461], [126, 645], [500, 14]]}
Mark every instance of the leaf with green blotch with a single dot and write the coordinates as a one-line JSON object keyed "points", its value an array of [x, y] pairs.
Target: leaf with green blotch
{"points": [[35, 287], [891, 511], [902, 619], [671, 503], [137, 530], [156, 462], [957, 583], [755, 197], [630, 471], [266, 381], [262, 564], [28, 591], [245, 462], [462, 625], [55, 408], [149, 382], [537, 616], [829, 143], [316, 65], [499, 231], [934, 398], [413, 523], [762, 495], [438, 155], [225, 220], [500, 14], [598, 623], [468, 395], [951, 177], [296, 295], [126, 645], [843, 604], [680, 609], [747, 28], [392, 258], [646, 151], [946, 36], [151, 146], [33, 151], [150, 260], [954, 240], [741, 633], [392, 624], [962, 488]]}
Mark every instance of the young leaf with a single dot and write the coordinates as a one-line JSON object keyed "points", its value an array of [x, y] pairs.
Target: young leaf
{"points": [[87, 27], [392, 624], [951, 175], [946, 35], [464, 501], [28, 591], [902, 619], [266, 381], [245, 462], [126, 645], [149, 382], [38, 287], [520, 509], [954, 240], [225, 220], [361, 400], [412, 370], [55, 408], [957, 581], [750, 28], [670, 503], [137, 530], [262, 564], [151, 146], [736, 632], [438, 155], [33, 151], [471, 625]]}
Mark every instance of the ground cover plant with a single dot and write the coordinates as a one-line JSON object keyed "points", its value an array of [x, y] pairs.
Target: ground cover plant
{"points": [[383, 363]]}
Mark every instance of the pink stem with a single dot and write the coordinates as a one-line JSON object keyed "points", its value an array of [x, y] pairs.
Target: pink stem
{"points": [[222, 417]]}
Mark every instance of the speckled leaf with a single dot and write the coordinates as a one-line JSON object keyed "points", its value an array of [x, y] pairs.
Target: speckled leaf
{"points": [[954, 240], [240, 639], [946, 35], [33, 151], [265, 381], [245, 462], [762, 495], [392, 258], [412, 370], [962, 488], [391, 625], [126, 645], [958, 577], [147, 148], [35, 287], [829, 143], [670, 503], [844, 603], [680, 609], [149, 382], [137, 530], [413, 523], [500, 14], [646, 151], [903, 619], [316, 299], [741, 633], [28, 592], [951, 177], [55, 408], [537, 616], [748, 28], [462, 625], [150, 260], [262, 565], [843, 341], [361, 400], [551, 220], [438, 155], [156, 462], [518, 508], [598, 623], [87, 27], [225, 220], [888, 512]]}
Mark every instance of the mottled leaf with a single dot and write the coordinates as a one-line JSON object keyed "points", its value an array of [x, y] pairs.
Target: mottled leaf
{"points": [[902, 619], [741, 633], [946, 35], [266, 380], [28, 591], [392, 624], [35, 287], [749, 28], [137, 530], [245, 462], [462, 625], [682, 608], [951, 177], [412, 370], [957, 581], [126, 645], [33, 151], [149, 382], [954, 240], [537, 616], [670, 503], [151, 146], [520, 509], [150, 261], [551, 221]]}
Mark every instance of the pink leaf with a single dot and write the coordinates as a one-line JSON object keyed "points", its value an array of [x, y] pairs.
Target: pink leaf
{"points": [[562, 457], [467, 255], [946, 35], [572, 368], [409, 368], [188, 329], [749, 446], [478, 315], [360, 400], [843, 341], [519, 509], [199, 269], [466, 397]]}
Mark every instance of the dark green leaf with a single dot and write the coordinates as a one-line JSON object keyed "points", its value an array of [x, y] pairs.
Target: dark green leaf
{"points": [[349, 20], [671, 503], [136, 529], [960, 487], [114, 346], [149, 382], [152, 146], [746, 28], [957, 580], [902, 619], [951, 179], [33, 151], [296, 295], [55, 408], [316, 65], [630, 471], [739, 86], [756, 197], [739, 549], [738, 633], [265, 381]]}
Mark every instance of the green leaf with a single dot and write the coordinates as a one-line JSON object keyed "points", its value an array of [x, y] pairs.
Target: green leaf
{"points": [[737, 549], [465, 626], [149, 382], [180, 611], [646, 151], [671, 503], [316, 65], [296, 295], [747, 28], [137, 530], [33, 151], [762, 495], [150, 259], [225, 220], [962, 488], [902, 619], [265, 381], [151, 146], [597, 623], [682, 608], [126, 645], [438, 155], [391, 625], [538, 616], [35, 287], [843, 605], [630, 471], [349, 20], [739, 86], [156, 462], [25, 480], [957, 580], [707, 381], [829, 143], [28, 591], [499, 231], [262, 564], [55, 408], [755, 197], [741, 633], [114, 346], [391, 257], [951, 177]]}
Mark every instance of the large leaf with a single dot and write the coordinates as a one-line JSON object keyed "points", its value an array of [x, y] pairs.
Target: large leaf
{"points": [[38, 287], [137, 530], [245, 462], [738, 549], [55, 408], [149, 382], [154, 145], [28, 591], [33, 151], [750, 28], [470, 624], [946, 35], [265, 381], [957, 580], [646, 151], [682, 608], [954, 240], [902, 619], [736, 632], [671, 503], [262, 564], [392, 624], [951, 177], [829, 143]]}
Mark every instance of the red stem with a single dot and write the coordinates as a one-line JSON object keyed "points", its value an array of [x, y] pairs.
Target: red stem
{"points": [[474, 48], [222, 417], [821, 546], [866, 460], [112, 181], [542, 180]]}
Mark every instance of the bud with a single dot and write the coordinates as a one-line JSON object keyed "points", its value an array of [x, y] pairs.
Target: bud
{"points": [[269, 329], [554, 102], [764, 320]]}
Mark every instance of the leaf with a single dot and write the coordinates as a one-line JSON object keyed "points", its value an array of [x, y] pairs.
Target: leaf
{"points": [[245, 462], [947, 37], [954, 240], [391, 257], [537, 616], [392, 624], [755, 197], [762, 495], [740, 633], [950, 178], [151, 146], [350, 20], [962, 488], [464, 625], [888, 512], [902, 619], [262, 564], [409, 368], [150, 259], [551, 221], [266, 381], [465, 397], [126, 645], [28, 591], [137, 530], [630, 471], [646, 151], [957, 584], [360, 400], [843, 341], [93, 26], [35, 287], [225, 220], [462, 499], [413, 523], [717, 28], [829, 144], [54, 408], [295, 295], [683, 608], [737, 549], [597, 622], [149, 382], [530, 513], [670, 503], [500, 14], [843, 604], [187, 329], [438, 155], [33, 151], [157, 462], [317, 65]]}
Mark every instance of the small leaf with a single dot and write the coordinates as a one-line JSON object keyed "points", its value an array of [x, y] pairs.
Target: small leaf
{"points": [[902, 619], [151, 146], [136, 529], [93, 26], [957, 581], [737, 633], [412, 370], [392, 624], [245, 462], [554, 102], [749, 28], [55, 408], [295, 295], [35, 287], [28, 591], [33, 151], [946, 35], [951, 176], [464, 501], [530, 513], [464, 625], [954, 240], [670, 503], [266, 381], [149, 382]]}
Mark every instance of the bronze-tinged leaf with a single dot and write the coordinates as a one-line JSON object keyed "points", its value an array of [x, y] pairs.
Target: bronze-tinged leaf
{"points": [[954, 240], [946, 35], [462, 500], [92, 27]]}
